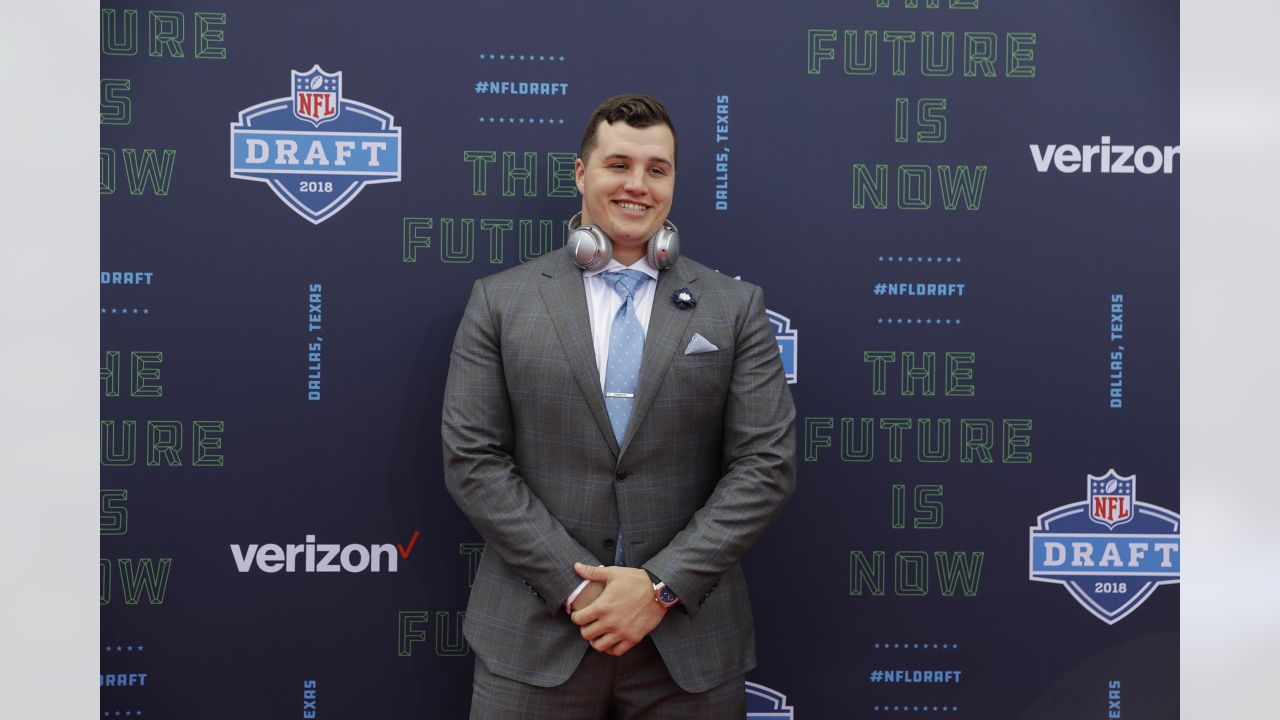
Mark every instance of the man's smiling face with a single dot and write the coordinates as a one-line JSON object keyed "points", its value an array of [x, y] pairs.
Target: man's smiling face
{"points": [[627, 180]]}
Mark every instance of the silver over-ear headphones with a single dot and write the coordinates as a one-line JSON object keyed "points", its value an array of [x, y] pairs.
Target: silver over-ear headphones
{"points": [[592, 249]]}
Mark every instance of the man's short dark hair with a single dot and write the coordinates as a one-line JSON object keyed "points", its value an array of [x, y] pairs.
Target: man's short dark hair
{"points": [[638, 111]]}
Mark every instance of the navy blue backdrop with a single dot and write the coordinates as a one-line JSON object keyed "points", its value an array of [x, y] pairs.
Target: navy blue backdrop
{"points": [[964, 218]]}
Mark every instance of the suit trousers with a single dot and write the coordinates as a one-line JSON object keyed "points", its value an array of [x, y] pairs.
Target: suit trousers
{"points": [[632, 687]]}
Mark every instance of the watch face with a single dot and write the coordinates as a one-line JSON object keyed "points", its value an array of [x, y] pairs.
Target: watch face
{"points": [[667, 597]]}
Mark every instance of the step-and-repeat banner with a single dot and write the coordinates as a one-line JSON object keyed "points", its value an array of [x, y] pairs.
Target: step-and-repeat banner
{"points": [[963, 214]]}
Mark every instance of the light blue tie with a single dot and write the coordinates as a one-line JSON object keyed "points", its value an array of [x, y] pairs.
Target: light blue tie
{"points": [[626, 349]]}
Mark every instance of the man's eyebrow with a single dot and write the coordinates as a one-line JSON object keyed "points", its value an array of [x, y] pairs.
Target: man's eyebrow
{"points": [[653, 158]]}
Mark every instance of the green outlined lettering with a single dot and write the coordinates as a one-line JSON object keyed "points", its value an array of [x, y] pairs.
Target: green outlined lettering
{"points": [[866, 574], [118, 450], [898, 41], [814, 438], [464, 249], [149, 171], [860, 56], [816, 50], [980, 54], [168, 30], [860, 446], [964, 568], [408, 631], [931, 447], [524, 173], [472, 552], [144, 373], [206, 446], [480, 160], [151, 576], [449, 639], [545, 244], [561, 181], [118, 40], [923, 375], [895, 426], [414, 239], [1016, 446], [928, 506], [164, 441], [209, 40], [106, 171], [113, 515], [935, 62], [865, 186], [1018, 55], [915, 187], [109, 374], [966, 181], [960, 374], [116, 107], [497, 232], [910, 573], [976, 440], [879, 360]]}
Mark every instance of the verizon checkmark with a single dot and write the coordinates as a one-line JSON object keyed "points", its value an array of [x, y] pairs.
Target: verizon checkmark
{"points": [[404, 551]]}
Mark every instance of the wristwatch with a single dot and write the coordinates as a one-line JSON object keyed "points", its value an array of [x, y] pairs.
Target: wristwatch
{"points": [[665, 596]]}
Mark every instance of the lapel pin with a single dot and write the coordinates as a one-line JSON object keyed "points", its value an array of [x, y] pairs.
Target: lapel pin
{"points": [[683, 299]]}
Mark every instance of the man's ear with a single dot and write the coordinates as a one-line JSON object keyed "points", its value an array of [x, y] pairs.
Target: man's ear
{"points": [[579, 172]]}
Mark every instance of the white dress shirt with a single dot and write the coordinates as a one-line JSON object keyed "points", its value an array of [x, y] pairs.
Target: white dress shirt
{"points": [[603, 303]]}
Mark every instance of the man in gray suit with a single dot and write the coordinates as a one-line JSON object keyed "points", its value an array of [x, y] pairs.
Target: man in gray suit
{"points": [[620, 436]]}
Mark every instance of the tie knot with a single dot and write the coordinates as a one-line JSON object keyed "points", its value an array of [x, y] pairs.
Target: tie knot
{"points": [[624, 282]]}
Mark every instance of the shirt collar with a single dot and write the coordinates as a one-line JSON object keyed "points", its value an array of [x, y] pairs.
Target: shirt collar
{"points": [[642, 265]]}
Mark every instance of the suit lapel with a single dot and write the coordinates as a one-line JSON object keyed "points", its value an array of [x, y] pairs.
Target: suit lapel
{"points": [[566, 300], [667, 324]]}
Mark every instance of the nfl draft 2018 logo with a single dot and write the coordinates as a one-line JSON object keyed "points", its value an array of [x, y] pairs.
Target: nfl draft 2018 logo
{"points": [[1110, 551], [315, 149], [765, 702], [788, 343]]}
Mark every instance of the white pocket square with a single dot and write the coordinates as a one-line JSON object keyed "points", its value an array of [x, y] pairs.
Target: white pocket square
{"points": [[699, 344]]}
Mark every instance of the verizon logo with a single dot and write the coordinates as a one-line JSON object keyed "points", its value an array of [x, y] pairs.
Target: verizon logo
{"points": [[1106, 158], [311, 556]]}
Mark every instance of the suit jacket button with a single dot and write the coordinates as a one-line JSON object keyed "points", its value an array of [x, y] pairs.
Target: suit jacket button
{"points": [[622, 476], [608, 543]]}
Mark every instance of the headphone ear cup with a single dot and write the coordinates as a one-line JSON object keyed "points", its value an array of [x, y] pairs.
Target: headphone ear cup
{"points": [[664, 246], [590, 248]]}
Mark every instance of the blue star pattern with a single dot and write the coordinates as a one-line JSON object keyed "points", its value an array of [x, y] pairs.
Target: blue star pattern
{"points": [[917, 258], [915, 646], [529, 57], [330, 84], [917, 321], [530, 121]]}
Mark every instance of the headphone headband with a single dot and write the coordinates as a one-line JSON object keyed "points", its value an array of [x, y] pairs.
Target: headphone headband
{"points": [[592, 249]]}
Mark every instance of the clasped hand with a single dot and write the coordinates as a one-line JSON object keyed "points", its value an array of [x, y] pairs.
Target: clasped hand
{"points": [[617, 609]]}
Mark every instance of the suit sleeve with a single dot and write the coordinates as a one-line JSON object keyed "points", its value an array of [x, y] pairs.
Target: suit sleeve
{"points": [[759, 460], [480, 471]]}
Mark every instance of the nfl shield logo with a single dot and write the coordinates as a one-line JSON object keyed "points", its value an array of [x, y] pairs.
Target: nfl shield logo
{"points": [[317, 95], [1111, 499], [788, 344]]}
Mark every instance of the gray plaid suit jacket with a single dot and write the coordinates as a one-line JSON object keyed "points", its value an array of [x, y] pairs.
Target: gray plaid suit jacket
{"points": [[707, 462]]}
